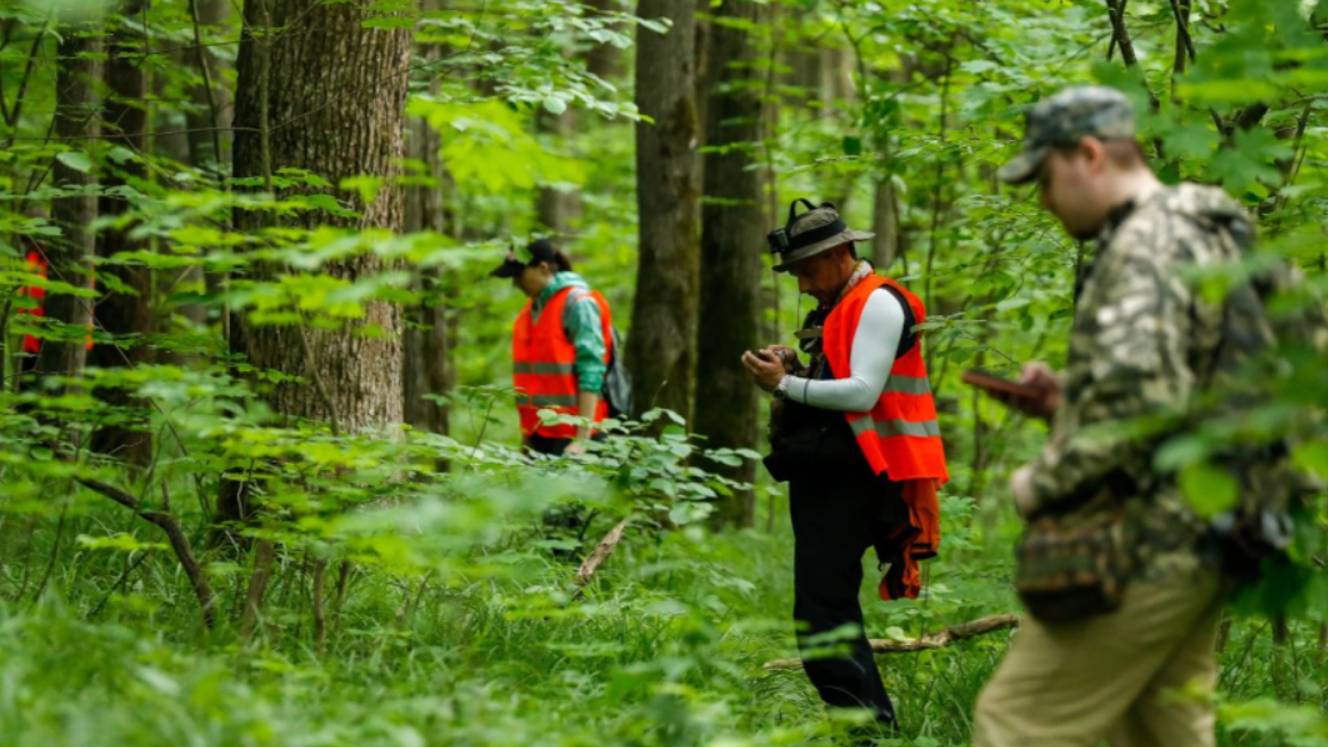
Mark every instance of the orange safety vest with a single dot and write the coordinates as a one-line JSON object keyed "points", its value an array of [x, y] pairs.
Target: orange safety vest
{"points": [[544, 365], [36, 264], [899, 436]]}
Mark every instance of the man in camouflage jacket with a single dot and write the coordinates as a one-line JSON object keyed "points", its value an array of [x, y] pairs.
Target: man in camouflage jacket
{"points": [[1143, 344]]}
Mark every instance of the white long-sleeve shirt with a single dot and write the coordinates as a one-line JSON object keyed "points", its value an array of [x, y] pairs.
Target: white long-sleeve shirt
{"points": [[872, 355]]}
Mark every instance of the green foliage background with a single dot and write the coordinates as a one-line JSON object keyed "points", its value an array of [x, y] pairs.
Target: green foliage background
{"points": [[459, 622]]}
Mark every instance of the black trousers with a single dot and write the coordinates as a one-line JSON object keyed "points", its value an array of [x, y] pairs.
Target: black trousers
{"points": [[837, 514]]}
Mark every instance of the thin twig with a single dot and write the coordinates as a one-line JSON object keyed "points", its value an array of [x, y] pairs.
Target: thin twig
{"points": [[55, 551], [12, 115], [124, 576]]}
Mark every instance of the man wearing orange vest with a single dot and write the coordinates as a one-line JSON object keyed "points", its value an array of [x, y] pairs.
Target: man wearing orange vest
{"points": [[561, 346], [855, 435]]}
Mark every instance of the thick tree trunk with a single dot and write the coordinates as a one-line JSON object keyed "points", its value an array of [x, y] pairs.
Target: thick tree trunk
{"points": [[127, 316], [334, 97], [661, 350], [69, 258], [732, 219]]}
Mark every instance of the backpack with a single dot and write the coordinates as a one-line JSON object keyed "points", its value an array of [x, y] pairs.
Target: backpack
{"points": [[617, 390], [1272, 490]]}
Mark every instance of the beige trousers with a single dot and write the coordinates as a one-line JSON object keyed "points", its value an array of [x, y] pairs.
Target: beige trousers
{"points": [[1135, 677]]}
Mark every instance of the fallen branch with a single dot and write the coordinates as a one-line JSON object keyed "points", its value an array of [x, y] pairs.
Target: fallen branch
{"points": [[175, 535], [939, 639], [598, 556]]}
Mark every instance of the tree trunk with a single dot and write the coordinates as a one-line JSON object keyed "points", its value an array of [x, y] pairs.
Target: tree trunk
{"points": [[661, 350], [885, 223], [427, 367], [556, 209], [605, 60], [76, 123], [334, 95], [126, 316], [210, 110], [732, 219]]}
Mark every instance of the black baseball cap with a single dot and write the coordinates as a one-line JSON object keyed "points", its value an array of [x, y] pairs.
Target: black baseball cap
{"points": [[538, 250]]}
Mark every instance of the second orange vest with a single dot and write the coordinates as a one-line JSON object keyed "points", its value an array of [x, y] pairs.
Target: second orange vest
{"points": [[544, 365]]}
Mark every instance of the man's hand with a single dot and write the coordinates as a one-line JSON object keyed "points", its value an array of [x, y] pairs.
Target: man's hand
{"points": [[1039, 376], [765, 367], [1021, 484], [787, 355]]}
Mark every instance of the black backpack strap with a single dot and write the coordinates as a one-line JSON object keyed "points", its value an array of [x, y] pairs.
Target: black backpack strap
{"points": [[908, 338]]}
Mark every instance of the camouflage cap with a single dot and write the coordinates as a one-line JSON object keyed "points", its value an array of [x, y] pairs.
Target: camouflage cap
{"points": [[1063, 119], [813, 232]]}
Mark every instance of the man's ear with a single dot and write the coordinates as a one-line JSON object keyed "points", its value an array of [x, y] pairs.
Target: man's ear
{"points": [[1094, 153]]}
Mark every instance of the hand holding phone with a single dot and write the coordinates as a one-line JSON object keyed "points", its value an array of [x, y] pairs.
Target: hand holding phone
{"points": [[764, 366], [1037, 392]]}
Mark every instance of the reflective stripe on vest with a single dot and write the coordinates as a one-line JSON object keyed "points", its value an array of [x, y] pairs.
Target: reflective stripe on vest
{"points": [[899, 436], [544, 364]]}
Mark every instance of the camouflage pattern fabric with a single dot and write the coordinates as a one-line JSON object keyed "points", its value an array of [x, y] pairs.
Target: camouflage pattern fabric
{"points": [[1141, 342]]}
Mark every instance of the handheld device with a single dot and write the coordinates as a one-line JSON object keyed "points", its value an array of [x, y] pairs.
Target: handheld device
{"points": [[993, 383]]}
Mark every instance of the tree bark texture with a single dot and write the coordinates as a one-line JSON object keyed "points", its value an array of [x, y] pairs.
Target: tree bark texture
{"points": [[334, 95], [732, 223], [126, 316], [661, 350], [69, 258]]}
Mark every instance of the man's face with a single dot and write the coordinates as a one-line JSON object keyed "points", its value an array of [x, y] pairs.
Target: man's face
{"points": [[1069, 182], [821, 276]]}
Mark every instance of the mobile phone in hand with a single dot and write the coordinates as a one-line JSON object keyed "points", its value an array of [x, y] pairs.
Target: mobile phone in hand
{"points": [[994, 384]]}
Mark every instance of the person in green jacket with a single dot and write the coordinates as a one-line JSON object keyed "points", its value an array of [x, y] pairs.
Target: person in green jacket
{"points": [[542, 275]]}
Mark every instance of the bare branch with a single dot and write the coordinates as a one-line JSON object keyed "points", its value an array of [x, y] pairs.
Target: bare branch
{"points": [[175, 535]]}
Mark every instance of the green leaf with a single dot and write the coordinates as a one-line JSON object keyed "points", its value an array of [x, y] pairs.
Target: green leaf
{"points": [[1210, 490], [1313, 458], [76, 160], [1191, 141], [555, 105]]}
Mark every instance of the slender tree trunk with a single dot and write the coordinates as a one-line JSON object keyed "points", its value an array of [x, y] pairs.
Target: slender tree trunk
{"points": [[605, 60], [128, 315], [661, 350], [885, 223], [69, 258], [427, 367], [557, 209], [210, 111], [732, 219], [334, 96]]}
